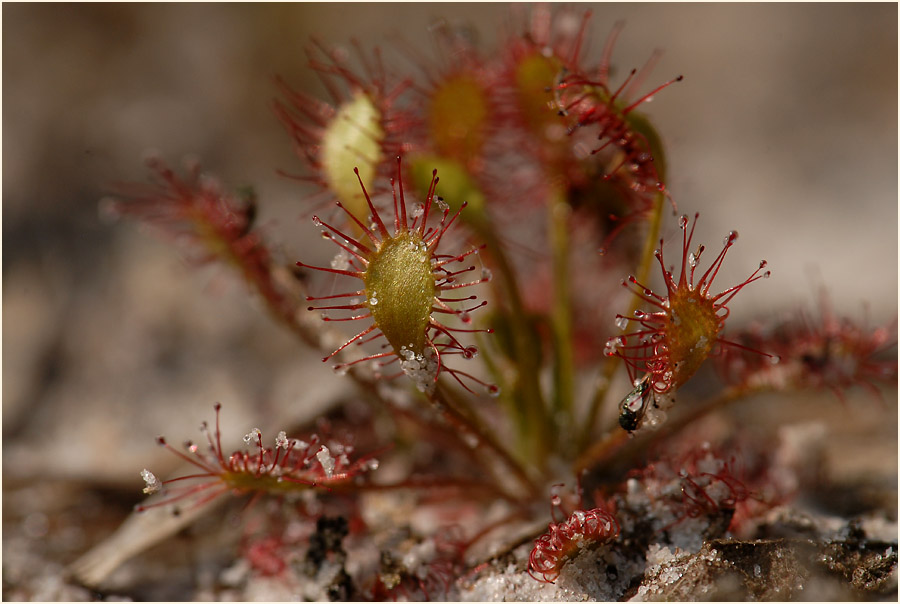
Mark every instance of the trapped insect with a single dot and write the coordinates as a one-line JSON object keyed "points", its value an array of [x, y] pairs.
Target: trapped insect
{"points": [[635, 404]]}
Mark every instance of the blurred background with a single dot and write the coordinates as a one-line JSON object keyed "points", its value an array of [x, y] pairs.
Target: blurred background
{"points": [[784, 128]]}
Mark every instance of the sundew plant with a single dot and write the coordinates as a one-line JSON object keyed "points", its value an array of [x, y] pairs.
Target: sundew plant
{"points": [[514, 284]]}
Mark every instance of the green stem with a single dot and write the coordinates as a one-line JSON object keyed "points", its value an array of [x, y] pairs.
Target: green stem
{"points": [[531, 420], [643, 271], [561, 314]]}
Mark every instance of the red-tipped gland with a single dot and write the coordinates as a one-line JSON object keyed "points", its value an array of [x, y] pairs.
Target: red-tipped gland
{"points": [[563, 541], [290, 466], [194, 209], [676, 337], [815, 352], [361, 127], [612, 156], [406, 282]]}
